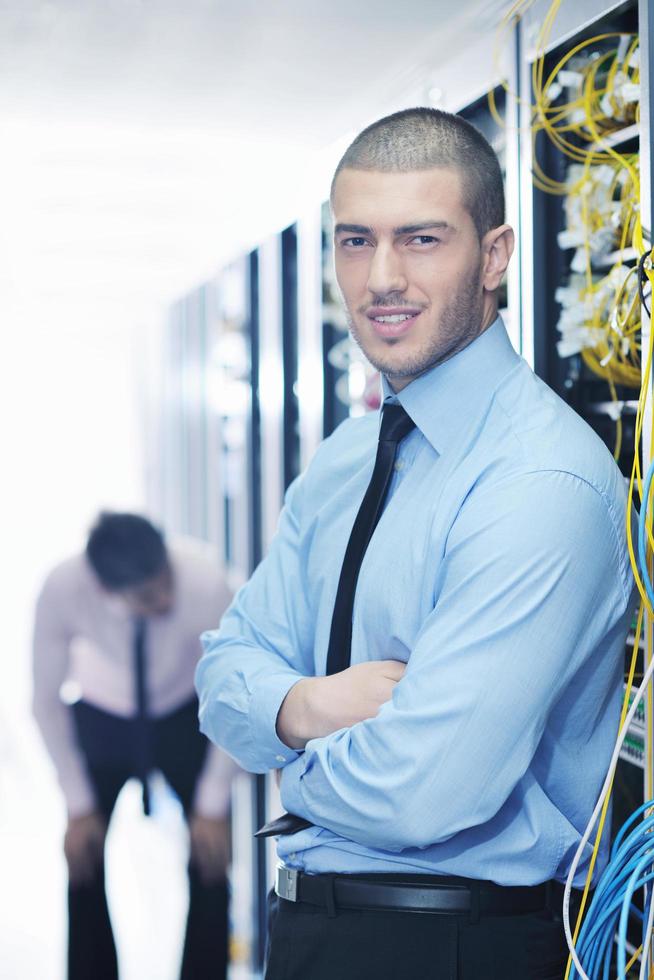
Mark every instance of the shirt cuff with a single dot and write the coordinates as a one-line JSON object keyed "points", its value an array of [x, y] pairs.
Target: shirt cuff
{"points": [[264, 707], [290, 791]]}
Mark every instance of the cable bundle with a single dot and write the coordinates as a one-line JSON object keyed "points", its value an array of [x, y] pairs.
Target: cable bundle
{"points": [[603, 91], [602, 190], [631, 863], [629, 869], [600, 314], [592, 92]]}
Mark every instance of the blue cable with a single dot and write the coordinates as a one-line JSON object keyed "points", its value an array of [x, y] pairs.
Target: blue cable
{"points": [[647, 898], [616, 871], [622, 833], [634, 882], [595, 942], [631, 859]]}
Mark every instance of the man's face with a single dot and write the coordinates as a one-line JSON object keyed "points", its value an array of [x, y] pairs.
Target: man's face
{"points": [[153, 597], [410, 267]]}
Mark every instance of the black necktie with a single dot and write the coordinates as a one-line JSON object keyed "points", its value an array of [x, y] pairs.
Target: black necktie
{"points": [[395, 425], [142, 744]]}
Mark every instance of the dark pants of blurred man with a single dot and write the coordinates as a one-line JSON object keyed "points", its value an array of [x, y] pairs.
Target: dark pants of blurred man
{"points": [[178, 752]]}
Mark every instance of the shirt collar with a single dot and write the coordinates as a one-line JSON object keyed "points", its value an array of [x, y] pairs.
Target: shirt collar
{"points": [[445, 399]]}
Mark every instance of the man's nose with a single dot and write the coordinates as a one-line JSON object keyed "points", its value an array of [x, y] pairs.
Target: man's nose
{"points": [[386, 273]]}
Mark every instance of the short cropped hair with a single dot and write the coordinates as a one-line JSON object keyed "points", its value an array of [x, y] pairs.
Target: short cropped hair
{"points": [[125, 550], [422, 138]]}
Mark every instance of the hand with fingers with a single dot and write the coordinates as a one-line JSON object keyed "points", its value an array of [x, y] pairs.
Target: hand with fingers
{"points": [[318, 706], [84, 847]]}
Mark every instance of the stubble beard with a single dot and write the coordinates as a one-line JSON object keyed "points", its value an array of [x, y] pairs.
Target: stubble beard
{"points": [[459, 324]]}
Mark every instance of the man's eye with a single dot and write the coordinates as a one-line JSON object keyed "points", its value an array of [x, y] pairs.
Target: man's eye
{"points": [[355, 242], [424, 239]]}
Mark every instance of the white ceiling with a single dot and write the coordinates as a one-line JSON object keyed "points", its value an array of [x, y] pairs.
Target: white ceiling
{"points": [[143, 143]]}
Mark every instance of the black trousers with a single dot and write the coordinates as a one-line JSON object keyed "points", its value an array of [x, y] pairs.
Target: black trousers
{"points": [[306, 943], [178, 751]]}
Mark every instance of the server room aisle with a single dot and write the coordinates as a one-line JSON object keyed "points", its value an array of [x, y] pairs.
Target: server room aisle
{"points": [[146, 881]]}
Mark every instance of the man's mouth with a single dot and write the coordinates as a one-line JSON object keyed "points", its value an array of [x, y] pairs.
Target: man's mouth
{"points": [[392, 322]]}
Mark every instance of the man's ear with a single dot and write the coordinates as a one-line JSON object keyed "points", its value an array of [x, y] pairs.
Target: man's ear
{"points": [[497, 248]]}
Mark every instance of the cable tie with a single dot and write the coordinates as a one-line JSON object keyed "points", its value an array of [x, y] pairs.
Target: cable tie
{"points": [[570, 238], [566, 348], [569, 79], [578, 263], [630, 92], [623, 47]]}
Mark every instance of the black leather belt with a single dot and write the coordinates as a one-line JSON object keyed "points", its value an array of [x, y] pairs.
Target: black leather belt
{"points": [[452, 895]]}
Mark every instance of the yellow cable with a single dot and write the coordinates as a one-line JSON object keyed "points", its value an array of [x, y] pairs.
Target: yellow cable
{"points": [[615, 354], [614, 318], [605, 807], [634, 959]]}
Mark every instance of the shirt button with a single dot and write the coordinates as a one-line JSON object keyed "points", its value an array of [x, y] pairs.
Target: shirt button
{"points": [[280, 758], [292, 856], [399, 466]]}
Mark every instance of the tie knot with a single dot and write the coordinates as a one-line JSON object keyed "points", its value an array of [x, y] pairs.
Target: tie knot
{"points": [[396, 424]]}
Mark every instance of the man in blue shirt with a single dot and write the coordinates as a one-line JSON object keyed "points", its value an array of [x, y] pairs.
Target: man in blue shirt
{"points": [[444, 740]]}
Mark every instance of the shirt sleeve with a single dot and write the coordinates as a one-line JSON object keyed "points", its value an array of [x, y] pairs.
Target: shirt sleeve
{"points": [[534, 576], [50, 657], [263, 647]]}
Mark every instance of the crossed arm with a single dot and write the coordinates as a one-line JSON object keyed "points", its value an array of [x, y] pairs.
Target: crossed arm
{"points": [[317, 706], [520, 607]]}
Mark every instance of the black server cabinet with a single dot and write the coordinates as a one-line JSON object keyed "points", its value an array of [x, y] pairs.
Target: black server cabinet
{"points": [[570, 377], [586, 392]]}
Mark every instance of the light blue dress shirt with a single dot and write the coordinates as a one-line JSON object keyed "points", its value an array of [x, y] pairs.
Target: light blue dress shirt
{"points": [[499, 573]]}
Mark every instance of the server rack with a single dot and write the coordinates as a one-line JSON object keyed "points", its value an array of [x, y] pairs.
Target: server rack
{"points": [[237, 407], [334, 333], [569, 376], [235, 434], [311, 381], [290, 354], [609, 411], [277, 351], [210, 473], [184, 502]]}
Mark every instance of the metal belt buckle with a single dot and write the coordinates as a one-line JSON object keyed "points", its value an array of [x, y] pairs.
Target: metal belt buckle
{"points": [[286, 883]]}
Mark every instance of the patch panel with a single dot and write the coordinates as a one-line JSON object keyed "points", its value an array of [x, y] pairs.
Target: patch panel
{"points": [[633, 750], [639, 717]]}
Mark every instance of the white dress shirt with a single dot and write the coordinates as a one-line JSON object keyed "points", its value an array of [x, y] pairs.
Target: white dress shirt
{"points": [[83, 649]]}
